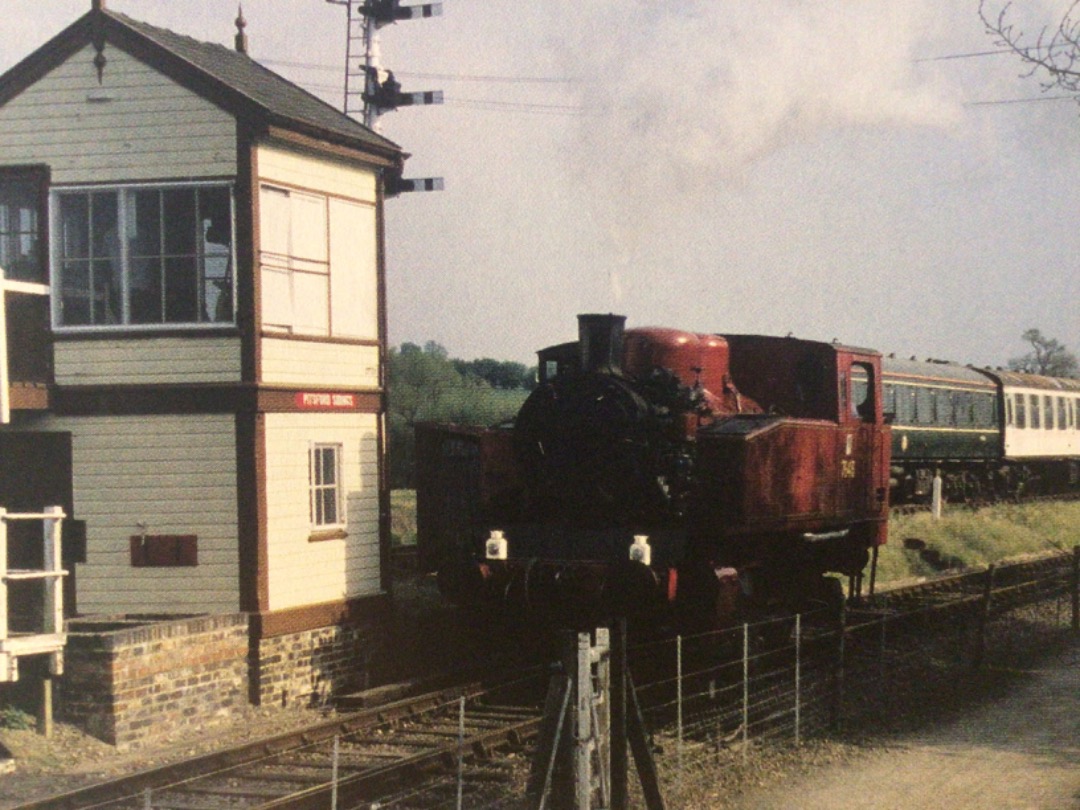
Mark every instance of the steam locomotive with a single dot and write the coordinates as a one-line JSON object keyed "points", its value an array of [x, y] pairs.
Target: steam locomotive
{"points": [[654, 468]]}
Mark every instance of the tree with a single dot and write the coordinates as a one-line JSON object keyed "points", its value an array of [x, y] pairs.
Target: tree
{"points": [[503, 374], [427, 385], [1048, 357], [1055, 52]]}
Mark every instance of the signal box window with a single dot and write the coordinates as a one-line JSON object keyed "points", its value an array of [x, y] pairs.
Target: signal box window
{"points": [[324, 476], [21, 203], [144, 256]]}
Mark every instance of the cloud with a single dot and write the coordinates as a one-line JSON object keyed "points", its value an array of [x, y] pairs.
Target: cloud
{"points": [[685, 94]]}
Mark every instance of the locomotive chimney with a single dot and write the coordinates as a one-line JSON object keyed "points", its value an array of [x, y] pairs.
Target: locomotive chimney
{"points": [[600, 338]]}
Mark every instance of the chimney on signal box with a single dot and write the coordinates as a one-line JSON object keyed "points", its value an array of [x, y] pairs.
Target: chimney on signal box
{"points": [[97, 5]]}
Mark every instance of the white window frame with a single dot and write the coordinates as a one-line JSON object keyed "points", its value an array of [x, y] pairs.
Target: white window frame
{"points": [[317, 487], [122, 191]]}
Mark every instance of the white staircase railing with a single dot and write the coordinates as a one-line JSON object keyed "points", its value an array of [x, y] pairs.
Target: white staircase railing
{"points": [[51, 639]]}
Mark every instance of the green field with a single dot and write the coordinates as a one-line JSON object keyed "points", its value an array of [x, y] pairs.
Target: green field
{"points": [[961, 538]]}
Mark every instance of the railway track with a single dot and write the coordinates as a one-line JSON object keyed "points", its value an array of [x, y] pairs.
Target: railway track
{"points": [[406, 748], [407, 754]]}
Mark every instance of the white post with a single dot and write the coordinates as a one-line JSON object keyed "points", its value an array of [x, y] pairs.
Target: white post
{"points": [[54, 590], [936, 496]]}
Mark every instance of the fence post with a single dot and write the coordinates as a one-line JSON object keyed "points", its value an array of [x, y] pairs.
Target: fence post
{"points": [[461, 754], [584, 738], [984, 615], [1076, 589], [838, 671], [619, 759], [745, 690], [334, 773], [679, 701], [798, 676]]}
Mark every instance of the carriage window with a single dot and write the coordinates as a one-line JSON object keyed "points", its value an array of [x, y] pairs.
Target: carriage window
{"points": [[1048, 412], [924, 406], [1036, 410], [1010, 418], [1062, 417], [1021, 410], [888, 393], [985, 413]]}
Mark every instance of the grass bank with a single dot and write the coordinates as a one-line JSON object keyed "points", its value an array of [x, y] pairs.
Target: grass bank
{"points": [[963, 538]]}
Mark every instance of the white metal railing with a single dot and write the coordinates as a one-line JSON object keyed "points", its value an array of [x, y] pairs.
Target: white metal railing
{"points": [[51, 639]]}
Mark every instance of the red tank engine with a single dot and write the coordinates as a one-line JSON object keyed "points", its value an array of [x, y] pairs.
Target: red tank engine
{"points": [[654, 465]]}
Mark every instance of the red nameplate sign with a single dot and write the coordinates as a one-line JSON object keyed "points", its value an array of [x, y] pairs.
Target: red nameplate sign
{"points": [[319, 399]]}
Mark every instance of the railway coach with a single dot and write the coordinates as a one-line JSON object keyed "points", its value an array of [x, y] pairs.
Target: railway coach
{"points": [[987, 434]]}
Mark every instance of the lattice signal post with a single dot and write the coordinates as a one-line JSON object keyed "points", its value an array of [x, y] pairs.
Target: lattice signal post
{"points": [[370, 89]]}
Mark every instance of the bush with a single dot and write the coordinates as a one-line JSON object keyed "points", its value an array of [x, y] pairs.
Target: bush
{"points": [[16, 719]]}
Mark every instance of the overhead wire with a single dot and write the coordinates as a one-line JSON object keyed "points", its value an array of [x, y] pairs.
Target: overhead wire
{"points": [[496, 105]]}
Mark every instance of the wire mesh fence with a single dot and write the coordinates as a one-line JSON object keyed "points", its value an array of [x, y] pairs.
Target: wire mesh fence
{"points": [[714, 700]]}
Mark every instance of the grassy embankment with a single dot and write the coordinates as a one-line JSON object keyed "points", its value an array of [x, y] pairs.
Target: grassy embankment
{"points": [[961, 538]]}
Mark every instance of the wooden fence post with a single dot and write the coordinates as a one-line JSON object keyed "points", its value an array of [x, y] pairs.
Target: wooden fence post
{"points": [[984, 615], [1076, 589], [838, 671]]}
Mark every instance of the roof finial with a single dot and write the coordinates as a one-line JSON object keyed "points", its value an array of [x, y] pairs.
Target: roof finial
{"points": [[97, 5], [241, 23]]}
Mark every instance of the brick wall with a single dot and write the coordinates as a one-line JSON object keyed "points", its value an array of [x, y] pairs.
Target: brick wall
{"points": [[128, 678], [311, 665]]}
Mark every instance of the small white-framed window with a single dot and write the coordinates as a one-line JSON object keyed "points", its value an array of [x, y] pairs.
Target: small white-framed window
{"points": [[327, 499]]}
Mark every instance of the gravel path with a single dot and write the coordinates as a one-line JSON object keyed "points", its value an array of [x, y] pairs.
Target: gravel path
{"points": [[1020, 752]]}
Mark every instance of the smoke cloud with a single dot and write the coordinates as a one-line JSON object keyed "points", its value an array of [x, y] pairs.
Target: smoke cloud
{"points": [[689, 93]]}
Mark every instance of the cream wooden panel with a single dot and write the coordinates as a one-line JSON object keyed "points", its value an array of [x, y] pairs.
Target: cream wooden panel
{"points": [[176, 474], [296, 362], [296, 168], [147, 360], [136, 125], [354, 287], [302, 572]]}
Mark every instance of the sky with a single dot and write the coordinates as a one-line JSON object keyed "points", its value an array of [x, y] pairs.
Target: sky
{"points": [[855, 170]]}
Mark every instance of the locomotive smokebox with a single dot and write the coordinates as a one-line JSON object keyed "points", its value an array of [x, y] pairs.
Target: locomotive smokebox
{"points": [[601, 340]]}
